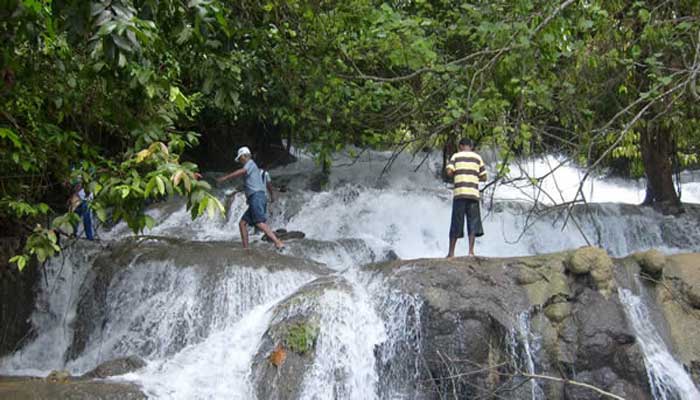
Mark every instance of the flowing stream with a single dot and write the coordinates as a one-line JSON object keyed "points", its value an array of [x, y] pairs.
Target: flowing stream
{"points": [[667, 377], [200, 330]]}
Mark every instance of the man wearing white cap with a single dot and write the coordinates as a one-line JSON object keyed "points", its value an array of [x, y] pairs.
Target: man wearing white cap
{"points": [[256, 214]]}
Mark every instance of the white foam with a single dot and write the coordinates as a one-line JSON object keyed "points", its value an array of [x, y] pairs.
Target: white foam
{"points": [[667, 377]]}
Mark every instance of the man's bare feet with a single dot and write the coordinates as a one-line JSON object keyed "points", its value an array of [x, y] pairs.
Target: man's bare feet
{"points": [[279, 245], [472, 254], [450, 257]]}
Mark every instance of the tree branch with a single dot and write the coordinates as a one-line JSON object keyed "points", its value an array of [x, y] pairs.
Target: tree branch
{"points": [[575, 383]]}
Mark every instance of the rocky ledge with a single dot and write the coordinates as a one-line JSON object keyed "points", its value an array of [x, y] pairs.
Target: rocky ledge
{"points": [[61, 385], [552, 326], [478, 313]]}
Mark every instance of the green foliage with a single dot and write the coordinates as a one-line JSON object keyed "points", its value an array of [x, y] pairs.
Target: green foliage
{"points": [[301, 337], [91, 94]]}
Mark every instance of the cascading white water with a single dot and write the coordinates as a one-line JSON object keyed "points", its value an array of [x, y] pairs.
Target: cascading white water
{"points": [[399, 355], [199, 332], [409, 212], [667, 378], [54, 314], [216, 368], [524, 346], [344, 362], [153, 310]]}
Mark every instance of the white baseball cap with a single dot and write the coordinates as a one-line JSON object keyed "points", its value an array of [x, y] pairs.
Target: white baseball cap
{"points": [[242, 151]]}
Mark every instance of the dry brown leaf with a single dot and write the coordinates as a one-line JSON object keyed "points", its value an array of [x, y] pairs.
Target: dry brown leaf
{"points": [[279, 354]]}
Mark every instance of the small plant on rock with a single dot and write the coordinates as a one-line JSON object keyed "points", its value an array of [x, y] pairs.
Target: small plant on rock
{"points": [[301, 337]]}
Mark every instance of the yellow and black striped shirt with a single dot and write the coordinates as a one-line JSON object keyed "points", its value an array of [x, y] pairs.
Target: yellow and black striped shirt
{"points": [[468, 169]]}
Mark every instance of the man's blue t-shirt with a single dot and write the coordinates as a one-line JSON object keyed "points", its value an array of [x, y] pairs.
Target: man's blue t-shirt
{"points": [[253, 178]]}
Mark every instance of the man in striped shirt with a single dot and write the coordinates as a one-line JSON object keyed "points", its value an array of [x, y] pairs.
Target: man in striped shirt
{"points": [[468, 170]]}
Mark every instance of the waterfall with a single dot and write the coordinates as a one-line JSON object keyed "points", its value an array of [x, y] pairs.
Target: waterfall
{"points": [[344, 364], [523, 346], [667, 377], [198, 319], [409, 212], [54, 314], [398, 361], [151, 309], [215, 368]]}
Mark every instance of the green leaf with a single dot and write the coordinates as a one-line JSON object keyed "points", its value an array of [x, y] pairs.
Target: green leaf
{"points": [[150, 186], [20, 261], [149, 221], [644, 14], [161, 185], [107, 28], [178, 98], [101, 213], [6, 133], [202, 206], [122, 43]]}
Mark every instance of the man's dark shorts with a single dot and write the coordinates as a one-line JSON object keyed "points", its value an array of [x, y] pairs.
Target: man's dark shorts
{"points": [[257, 209], [468, 208]]}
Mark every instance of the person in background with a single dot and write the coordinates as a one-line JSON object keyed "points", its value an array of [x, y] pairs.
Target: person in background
{"points": [[255, 186], [468, 170], [79, 202]]}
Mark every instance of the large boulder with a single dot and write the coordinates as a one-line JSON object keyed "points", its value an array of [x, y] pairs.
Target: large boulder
{"points": [[596, 262], [652, 261], [288, 347], [480, 320]]}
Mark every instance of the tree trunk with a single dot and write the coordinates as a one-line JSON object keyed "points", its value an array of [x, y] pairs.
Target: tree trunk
{"points": [[449, 148], [657, 155]]}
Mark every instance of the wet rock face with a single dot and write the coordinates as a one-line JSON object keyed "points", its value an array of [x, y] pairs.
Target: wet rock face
{"points": [[678, 293], [600, 327], [24, 388], [472, 306], [17, 297], [151, 253], [335, 253], [287, 350], [284, 235], [119, 366], [608, 379], [464, 321]]}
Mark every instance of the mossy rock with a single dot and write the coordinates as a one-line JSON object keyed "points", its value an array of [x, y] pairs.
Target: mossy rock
{"points": [[59, 377], [527, 276], [585, 259], [301, 337], [558, 312], [651, 262], [558, 285], [595, 261]]}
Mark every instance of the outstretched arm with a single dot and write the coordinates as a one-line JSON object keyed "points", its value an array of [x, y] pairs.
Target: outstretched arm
{"points": [[235, 174]]}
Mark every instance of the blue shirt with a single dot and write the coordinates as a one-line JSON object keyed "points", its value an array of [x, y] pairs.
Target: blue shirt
{"points": [[253, 178]]}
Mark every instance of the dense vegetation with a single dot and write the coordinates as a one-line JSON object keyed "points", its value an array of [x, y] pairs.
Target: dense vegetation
{"points": [[115, 91]]}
